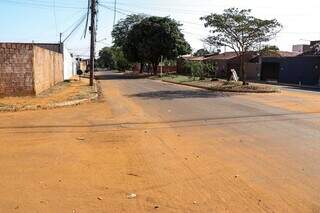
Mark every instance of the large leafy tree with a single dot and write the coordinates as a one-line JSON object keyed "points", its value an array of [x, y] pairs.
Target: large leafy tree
{"points": [[105, 59], [240, 31], [122, 28], [270, 50], [201, 52], [153, 38], [121, 31], [113, 58]]}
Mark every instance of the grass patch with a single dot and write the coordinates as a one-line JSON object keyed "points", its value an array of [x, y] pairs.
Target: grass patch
{"points": [[219, 85]]}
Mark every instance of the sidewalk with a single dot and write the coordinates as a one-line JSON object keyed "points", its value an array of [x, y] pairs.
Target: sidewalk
{"points": [[293, 86], [62, 94]]}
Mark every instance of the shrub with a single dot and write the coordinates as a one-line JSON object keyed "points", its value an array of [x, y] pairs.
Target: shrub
{"points": [[200, 70]]}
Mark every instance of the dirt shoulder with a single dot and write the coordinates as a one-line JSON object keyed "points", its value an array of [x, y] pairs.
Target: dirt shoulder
{"points": [[63, 94], [297, 101]]}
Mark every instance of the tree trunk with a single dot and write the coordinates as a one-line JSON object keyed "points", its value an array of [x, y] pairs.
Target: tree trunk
{"points": [[155, 68], [141, 67], [242, 69]]}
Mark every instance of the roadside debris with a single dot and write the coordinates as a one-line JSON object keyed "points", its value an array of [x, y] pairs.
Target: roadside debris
{"points": [[80, 138], [131, 196], [132, 174]]}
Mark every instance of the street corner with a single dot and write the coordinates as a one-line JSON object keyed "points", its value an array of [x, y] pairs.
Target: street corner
{"points": [[68, 93]]}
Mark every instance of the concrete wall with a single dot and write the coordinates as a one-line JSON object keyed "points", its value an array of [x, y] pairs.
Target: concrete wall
{"points": [[16, 69], [47, 68], [55, 47], [26, 69]]}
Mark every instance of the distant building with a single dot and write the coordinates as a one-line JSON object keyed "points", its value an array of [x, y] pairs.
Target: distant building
{"points": [[82, 64], [301, 48]]}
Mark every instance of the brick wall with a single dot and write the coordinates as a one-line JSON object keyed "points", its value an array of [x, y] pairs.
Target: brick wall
{"points": [[168, 69], [26, 69], [16, 75], [47, 68]]}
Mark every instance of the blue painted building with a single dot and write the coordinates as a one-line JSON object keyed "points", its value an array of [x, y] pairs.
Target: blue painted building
{"points": [[304, 70]]}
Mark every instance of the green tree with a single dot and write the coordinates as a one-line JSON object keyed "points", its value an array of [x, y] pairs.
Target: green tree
{"points": [[240, 31], [113, 58], [123, 27], [120, 61], [121, 31], [201, 52], [105, 59], [154, 37], [269, 50]]}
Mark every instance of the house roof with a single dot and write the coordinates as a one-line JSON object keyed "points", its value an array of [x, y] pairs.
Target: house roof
{"points": [[282, 54], [193, 58], [222, 56]]}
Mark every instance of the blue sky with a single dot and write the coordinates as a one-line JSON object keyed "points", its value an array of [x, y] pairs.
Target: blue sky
{"points": [[39, 21]]}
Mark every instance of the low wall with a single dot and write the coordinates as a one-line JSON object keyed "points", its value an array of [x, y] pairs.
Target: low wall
{"points": [[16, 69], [168, 69], [47, 68]]}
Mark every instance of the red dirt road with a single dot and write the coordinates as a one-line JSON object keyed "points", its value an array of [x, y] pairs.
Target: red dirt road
{"points": [[169, 149]]}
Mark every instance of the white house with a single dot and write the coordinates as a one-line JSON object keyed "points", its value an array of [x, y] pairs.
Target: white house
{"points": [[70, 65]]}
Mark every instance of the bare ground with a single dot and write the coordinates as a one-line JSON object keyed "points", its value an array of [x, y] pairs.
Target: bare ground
{"points": [[62, 92], [90, 158]]}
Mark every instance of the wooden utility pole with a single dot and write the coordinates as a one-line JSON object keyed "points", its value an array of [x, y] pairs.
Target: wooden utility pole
{"points": [[93, 39]]}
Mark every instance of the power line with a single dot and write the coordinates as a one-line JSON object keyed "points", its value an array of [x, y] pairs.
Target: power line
{"points": [[55, 16], [42, 5], [87, 20], [75, 28]]}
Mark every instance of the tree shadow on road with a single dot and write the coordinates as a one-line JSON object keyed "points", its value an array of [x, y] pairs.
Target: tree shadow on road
{"points": [[120, 76], [180, 94]]}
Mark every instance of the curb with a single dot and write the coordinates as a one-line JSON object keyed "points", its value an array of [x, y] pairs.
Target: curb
{"points": [[54, 105], [218, 90], [288, 85]]}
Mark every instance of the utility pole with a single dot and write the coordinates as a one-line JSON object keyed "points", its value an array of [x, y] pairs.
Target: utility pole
{"points": [[115, 12], [60, 43], [93, 39]]}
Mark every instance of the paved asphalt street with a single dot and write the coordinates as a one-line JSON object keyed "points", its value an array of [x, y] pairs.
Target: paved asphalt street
{"points": [[152, 146], [272, 146]]}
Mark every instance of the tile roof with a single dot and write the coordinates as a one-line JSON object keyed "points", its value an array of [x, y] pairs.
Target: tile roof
{"points": [[193, 58], [222, 56], [278, 54]]}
